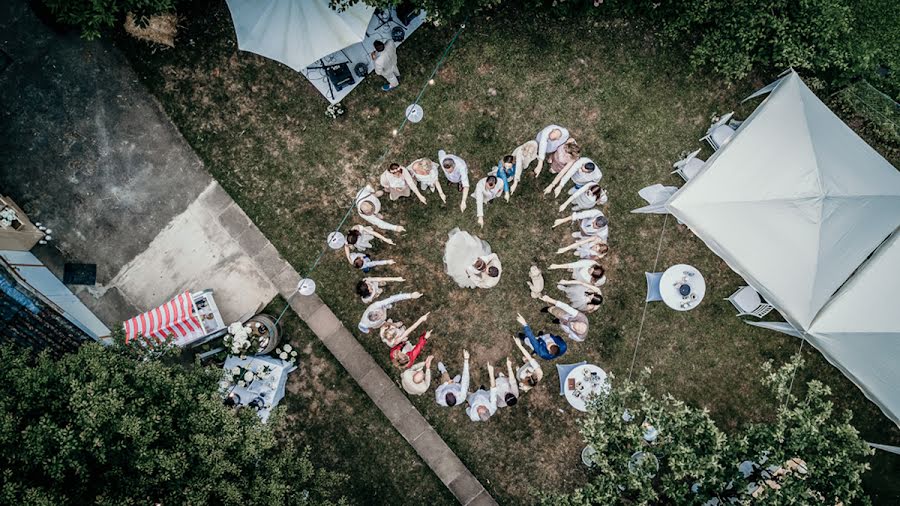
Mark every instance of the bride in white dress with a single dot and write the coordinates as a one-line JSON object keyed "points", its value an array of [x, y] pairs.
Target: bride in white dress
{"points": [[461, 251]]}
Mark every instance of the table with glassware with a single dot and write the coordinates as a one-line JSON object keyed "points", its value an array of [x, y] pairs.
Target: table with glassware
{"points": [[584, 382], [265, 390], [682, 287]]}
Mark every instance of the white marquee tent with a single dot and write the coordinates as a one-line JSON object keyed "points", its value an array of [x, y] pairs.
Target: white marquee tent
{"points": [[808, 214]]}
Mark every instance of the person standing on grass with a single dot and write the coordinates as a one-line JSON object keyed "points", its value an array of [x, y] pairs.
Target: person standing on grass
{"points": [[486, 190], [483, 403], [385, 57], [505, 172], [485, 272], [546, 346], [376, 314], [586, 271], [453, 392], [572, 321], [585, 198], [427, 175], [457, 173], [593, 224], [549, 140], [403, 355], [417, 378], [394, 333], [368, 206], [398, 182], [530, 373], [362, 261], [507, 387], [370, 289], [360, 237]]}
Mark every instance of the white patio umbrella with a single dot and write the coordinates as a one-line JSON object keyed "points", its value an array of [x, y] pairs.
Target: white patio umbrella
{"points": [[297, 32]]}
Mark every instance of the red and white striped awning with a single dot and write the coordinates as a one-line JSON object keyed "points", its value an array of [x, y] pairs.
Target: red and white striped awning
{"points": [[175, 318]]}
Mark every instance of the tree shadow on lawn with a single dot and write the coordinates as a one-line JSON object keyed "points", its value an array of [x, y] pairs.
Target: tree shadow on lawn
{"points": [[634, 108]]}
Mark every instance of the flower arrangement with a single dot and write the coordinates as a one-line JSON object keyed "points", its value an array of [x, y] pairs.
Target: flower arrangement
{"points": [[242, 339], [286, 353], [7, 217], [335, 110], [243, 376]]}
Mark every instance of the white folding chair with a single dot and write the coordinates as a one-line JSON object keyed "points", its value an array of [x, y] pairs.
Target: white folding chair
{"points": [[688, 167], [748, 302], [653, 294], [720, 132]]}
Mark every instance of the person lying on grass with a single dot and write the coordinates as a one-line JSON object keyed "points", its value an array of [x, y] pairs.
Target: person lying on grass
{"points": [[549, 140], [586, 197], [417, 378], [591, 248], [483, 403], [398, 182], [368, 207], [530, 373], [572, 321], [376, 314], [486, 190], [582, 296], [547, 346], [370, 289], [453, 392], [427, 175], [394, 333], [403, 355], [360, 237], [457, 173]]}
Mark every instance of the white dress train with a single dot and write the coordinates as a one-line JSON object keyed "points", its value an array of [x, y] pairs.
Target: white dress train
{"points": [[460, 252]]}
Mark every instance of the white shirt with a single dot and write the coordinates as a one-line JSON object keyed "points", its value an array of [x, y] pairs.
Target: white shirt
{"points": [[393, 182], [505, 386], [573, 315], [375, 290], [364, 241], [459, 387], [532, 368], [426, 180], [460, 172], [586, 199], [545, 145], [579, 177], [579, 297], [366, 324], [386, 60], [483, 194], [588, 227], [367, 262], [482, 398], [411, 387], [367, 194]]}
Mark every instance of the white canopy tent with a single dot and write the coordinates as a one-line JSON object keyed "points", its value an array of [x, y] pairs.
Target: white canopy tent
{"points": [[297, 32], [331, 48], [796, 203]]}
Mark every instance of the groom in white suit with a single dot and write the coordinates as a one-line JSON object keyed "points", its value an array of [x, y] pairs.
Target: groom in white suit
{"points": [[385, 56]]}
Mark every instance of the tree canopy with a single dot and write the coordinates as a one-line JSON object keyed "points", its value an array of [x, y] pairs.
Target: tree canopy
{"points": [[99, 427], [808, 454]]}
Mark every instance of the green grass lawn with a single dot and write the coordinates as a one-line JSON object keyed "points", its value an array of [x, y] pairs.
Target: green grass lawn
{"points": [[633, 105]]}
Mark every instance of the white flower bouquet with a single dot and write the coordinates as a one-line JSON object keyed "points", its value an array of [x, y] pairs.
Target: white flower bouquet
{"points": [[241, 340], [287, 353], [335, 110], [7, 217]]}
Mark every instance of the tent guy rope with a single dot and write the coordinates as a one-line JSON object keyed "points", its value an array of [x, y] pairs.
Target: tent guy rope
{"points": [[662, 233]]}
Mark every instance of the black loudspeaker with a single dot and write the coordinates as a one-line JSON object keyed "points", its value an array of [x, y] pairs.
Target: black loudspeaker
{"points": [[398, 34], [406, 12], [339, 75], [361, 70]]}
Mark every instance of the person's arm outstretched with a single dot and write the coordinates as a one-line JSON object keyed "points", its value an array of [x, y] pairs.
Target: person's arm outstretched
{"points": [[464, 381], [577, 244], [579, 192], [558, 180], [571, 311], [569, 173], [574, 265], [513, 384], [371, 231], [413, 185], [409, 330]]}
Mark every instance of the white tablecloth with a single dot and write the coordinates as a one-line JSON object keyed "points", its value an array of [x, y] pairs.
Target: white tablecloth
{"points": [[271, 389], [587, 387], [673, 278]]}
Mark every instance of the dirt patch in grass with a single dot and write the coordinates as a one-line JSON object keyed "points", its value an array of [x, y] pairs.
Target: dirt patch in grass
{"points": [[633, 107]]}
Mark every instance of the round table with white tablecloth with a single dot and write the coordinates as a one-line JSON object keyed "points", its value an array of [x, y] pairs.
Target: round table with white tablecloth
{"points": [[588, 381], [682, 287]]}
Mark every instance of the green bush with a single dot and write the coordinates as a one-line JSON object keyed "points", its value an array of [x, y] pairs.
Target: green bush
{"points": [[92, 16], [99, 427]]}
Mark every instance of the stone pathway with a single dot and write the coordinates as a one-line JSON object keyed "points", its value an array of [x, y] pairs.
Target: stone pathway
{"points": [[383, 391]]}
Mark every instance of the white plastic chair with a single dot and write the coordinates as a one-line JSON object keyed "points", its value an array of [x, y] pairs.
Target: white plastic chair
{"points": [[748, 302], [720, 132], [653, 294], [689, 166]]}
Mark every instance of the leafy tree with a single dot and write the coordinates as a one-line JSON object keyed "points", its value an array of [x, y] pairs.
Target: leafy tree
{"points": [[808, 454], [98, 427], [92, 16]]}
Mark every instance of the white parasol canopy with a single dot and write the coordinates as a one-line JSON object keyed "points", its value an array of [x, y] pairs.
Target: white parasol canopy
{"points": [[297, 32]]}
